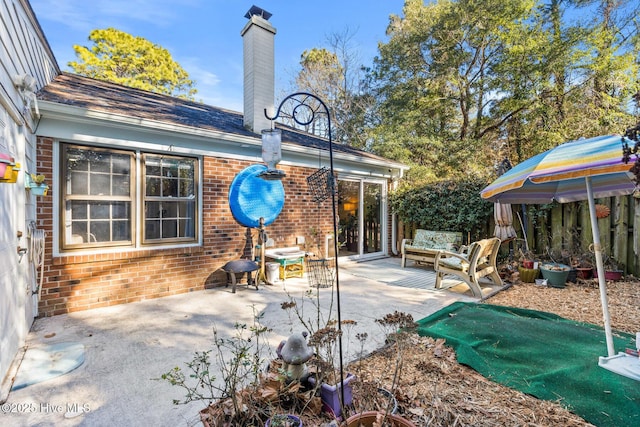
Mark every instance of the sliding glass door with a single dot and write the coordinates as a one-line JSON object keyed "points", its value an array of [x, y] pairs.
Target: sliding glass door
{"points": [[362, 223]]}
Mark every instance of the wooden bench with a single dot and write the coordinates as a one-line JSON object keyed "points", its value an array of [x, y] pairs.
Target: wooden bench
{"points": [[427, 243]]}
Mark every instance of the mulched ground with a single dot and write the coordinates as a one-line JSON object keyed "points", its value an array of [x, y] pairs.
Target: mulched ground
{"points": [[436, 390]]}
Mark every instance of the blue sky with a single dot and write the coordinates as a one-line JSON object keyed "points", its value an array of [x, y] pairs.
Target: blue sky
{"points": [[204, 35]]}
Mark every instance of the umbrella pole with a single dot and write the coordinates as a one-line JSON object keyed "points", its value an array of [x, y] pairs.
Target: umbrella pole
{"points": [[602, 283]]}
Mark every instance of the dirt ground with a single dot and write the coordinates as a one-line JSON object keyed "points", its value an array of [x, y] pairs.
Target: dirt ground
{"points": [[436, 390]]}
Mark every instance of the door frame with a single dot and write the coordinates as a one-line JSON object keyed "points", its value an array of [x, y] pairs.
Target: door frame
{"points": [[384, 208]]}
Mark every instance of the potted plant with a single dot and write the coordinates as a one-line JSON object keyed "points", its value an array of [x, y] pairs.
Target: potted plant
{"points": [[528, 274], [36, 184], [556, 274], [580, 261], [527, 267], [612, 270], [584, 268], [377, 418], [331, 393]]}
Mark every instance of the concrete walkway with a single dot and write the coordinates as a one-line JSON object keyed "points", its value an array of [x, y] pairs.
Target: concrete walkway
{"points": [[127, 347]]}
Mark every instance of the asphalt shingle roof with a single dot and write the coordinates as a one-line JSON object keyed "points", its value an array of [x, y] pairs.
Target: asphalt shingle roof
{"points": [[84, 92]]}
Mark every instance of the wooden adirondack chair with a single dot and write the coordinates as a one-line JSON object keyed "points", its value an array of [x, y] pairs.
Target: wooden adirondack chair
{"points": [[479, 262]]}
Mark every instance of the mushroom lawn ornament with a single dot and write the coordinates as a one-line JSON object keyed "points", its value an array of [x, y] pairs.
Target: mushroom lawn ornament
{"points": [[295, 353]]}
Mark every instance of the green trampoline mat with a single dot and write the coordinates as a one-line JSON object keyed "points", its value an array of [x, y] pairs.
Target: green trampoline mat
{"points": [[540, 354]]}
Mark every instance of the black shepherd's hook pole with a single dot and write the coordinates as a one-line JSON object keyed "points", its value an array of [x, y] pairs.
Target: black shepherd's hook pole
{"points": [[304, 114]]}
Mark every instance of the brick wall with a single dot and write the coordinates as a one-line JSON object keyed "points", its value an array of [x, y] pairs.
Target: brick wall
{"points": [[80, 282]]}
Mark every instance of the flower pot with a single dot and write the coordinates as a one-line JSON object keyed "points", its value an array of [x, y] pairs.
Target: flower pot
{"points": [[369, 419], [556, 274], [528, 275], [584, 273], [8, 169], [39, 190], [36, 188], [330, 394], [288, 420], [612, 275]]}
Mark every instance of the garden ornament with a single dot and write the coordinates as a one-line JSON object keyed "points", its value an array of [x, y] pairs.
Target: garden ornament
{"points": [[295, 353]]}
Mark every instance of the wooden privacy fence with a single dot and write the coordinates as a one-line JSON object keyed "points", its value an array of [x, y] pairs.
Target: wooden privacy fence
{"points": [[563, 231]]}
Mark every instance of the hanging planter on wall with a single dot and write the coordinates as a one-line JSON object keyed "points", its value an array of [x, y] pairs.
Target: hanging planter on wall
{"points": [[11, 174], [8, 168], [35, 183]]}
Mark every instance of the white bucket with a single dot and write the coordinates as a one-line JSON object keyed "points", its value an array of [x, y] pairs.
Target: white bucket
{"points": [[273, 272]]}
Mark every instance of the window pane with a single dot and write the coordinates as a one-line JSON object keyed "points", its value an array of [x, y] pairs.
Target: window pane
{"points": [[94, 172], [170, 209], [79, 165], [186, 188], [152, 229], [121, 230], [100, 211], [120, 185], [79, 183], [80, 229], [79, 210], [120, 210], [169, 229], [372, 213], [153, 168], [349, 212], [153, 186], [170, 168], [121, 165], [101, 163], [100, 231], [187, 229], [153, 210], [169, 187], [100, 185]]}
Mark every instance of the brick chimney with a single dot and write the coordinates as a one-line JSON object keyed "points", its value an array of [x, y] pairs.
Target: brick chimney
{"points": [[259, 75]]}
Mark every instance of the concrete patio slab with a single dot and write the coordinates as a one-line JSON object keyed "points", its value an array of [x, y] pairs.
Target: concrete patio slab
{"points": [[127, 347]]}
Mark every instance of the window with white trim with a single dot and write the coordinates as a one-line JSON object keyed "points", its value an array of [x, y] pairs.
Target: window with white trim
{"points": [[101, 207], [169, 198]]}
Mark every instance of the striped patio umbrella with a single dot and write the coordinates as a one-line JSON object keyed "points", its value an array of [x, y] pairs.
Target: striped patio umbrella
{"points": [[577, 170], [559, 174]]}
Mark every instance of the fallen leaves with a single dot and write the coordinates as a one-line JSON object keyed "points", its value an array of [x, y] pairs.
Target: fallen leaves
{"points": [[436, 390]]}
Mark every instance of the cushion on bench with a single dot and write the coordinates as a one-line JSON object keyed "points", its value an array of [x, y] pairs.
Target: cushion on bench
{"points": [[439, 240]]}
